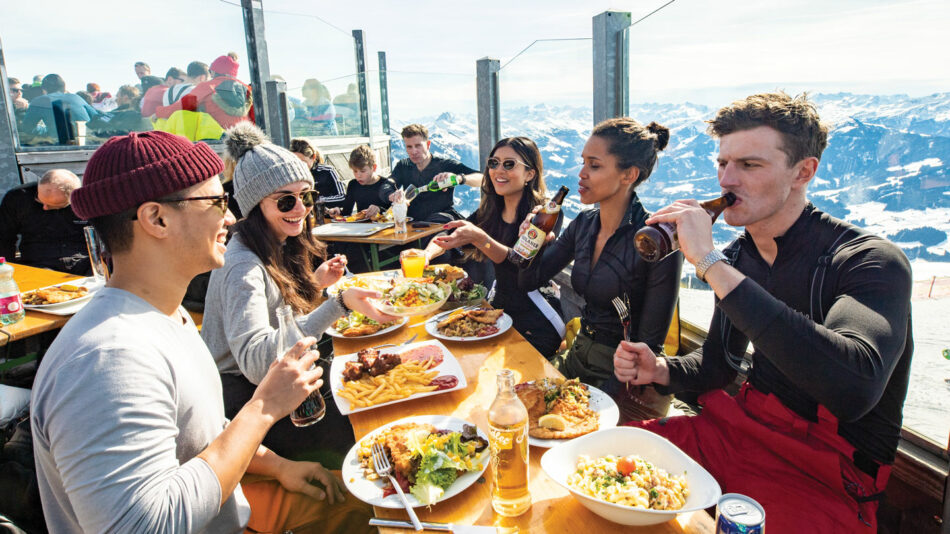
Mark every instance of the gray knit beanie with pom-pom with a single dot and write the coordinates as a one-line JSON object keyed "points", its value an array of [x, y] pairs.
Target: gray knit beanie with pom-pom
{"points": [[261, 166]]}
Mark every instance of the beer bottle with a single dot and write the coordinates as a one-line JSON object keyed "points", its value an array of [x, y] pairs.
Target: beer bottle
{"points": [[446, 182], [508, 439], [654, 242], [312, 409], [531, 241]]}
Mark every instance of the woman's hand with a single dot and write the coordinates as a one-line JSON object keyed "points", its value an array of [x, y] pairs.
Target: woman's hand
{"points": [[334, 212], [358, 299], [636, 364], [299, 477], [330, 271], [465, 233]]}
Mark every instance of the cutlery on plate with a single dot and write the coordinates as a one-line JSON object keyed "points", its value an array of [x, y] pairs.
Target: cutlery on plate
{"points": [[385, 468], [444, 527]]}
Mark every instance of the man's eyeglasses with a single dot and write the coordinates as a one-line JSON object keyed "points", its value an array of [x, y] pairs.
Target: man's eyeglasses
{"points": [[16, 90], [288, 201], [218, 201], [508, 164]]}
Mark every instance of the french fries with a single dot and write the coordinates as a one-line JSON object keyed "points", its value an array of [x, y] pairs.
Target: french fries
{"points": [[404, 380]]}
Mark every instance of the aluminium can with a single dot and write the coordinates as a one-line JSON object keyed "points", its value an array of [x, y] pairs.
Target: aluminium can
{"points": [[738, 514]]}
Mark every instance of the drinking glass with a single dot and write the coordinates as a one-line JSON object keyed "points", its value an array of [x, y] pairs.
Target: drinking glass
{"points": [[400, 210], [413, 262], [98, 256]]}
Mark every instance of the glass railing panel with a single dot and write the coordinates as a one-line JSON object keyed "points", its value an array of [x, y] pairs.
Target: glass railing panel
{"points": [[318, 62], [879, 78], [446, 105], [546, 93], [93, 89]]}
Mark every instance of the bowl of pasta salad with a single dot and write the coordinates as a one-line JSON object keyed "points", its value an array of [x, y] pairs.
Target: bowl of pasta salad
{"points": [[631, 476]]}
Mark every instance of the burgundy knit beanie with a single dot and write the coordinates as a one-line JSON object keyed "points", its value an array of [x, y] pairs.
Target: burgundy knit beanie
{"points": [[131, 169]]}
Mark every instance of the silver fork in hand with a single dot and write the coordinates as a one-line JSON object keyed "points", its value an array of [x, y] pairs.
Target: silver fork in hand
{"points": [[384, 468], [624, 314]]}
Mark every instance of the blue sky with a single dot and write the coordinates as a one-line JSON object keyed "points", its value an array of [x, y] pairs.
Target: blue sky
{"points": [[691, 50]]}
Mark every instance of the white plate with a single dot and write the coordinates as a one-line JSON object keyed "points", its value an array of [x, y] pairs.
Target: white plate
{"points": [[333, 332], [600, 402], [449, 366], [371, 492], [560, 461], [432, 327], [70, 306], [412, 311]]}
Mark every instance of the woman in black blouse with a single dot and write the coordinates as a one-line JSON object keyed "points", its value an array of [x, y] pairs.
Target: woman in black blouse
{"points": [[620, 155], [325, 179], [515, 187]]}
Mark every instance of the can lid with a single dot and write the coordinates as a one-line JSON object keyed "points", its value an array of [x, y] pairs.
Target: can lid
{"points": [[741, 509]]}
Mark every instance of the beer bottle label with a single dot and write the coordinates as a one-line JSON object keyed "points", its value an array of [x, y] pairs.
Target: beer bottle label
{"points": [[530, 242]]}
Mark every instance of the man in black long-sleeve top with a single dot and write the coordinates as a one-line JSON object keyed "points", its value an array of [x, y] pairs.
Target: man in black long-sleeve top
{"points": [[814, 429], [50, 234]]}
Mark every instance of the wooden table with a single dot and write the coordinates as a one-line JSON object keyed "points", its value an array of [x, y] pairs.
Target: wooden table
{"points": [[30, 278], [385, 238], [553, 508]]}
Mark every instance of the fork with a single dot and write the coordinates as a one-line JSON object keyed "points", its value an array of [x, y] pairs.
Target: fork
{"points": [[384, 468], [624, 314], [406, 342]]}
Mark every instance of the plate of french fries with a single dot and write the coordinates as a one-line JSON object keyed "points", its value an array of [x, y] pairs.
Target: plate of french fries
{"points": [[372, 378]]}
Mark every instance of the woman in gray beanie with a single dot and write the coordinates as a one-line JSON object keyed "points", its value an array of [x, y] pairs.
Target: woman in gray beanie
{"points": [[273, 260]]}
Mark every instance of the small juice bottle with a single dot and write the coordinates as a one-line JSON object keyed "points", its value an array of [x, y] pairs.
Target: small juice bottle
{"points": [[508, 437]]}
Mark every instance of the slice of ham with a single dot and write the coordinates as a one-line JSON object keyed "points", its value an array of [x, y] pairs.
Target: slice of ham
{"points": [[424, 353]]}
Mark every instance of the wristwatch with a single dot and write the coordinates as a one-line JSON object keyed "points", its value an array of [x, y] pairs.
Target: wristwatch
{"points": [[708, 260]]}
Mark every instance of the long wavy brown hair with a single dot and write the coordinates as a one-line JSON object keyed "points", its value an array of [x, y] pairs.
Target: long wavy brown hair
{"points": [[291, 264], [488, 215]]}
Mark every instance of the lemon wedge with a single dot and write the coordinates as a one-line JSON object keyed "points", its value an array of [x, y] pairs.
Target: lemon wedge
{"points": [[69, 287], [552, 421]]}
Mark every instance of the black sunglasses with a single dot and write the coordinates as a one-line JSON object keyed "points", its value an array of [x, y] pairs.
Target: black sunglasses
{"points": [[508, 164], [218, 201], [288, 201]]}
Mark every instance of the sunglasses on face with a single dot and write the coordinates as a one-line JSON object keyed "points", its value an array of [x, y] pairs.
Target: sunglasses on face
{"points": [[508, 164], [288, 201], [218, 201]]}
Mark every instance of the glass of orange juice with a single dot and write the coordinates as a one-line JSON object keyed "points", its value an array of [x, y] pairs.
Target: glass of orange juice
{"points": [[413, 262]]}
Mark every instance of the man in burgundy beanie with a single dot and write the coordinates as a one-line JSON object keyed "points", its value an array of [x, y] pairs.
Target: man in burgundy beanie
{"points": [[128, 420]]}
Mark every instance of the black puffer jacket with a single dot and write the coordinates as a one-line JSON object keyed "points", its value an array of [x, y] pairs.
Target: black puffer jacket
{"points": [[652, 288]]}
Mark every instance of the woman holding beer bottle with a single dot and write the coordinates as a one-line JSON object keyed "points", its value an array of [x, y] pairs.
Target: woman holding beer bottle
{"points": [[619, 155], [273, 260], [515, 187]]}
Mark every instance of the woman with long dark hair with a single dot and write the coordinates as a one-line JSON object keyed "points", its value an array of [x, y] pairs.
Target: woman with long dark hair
{"points": [[515, 187], [272, 260], [619, 155]]}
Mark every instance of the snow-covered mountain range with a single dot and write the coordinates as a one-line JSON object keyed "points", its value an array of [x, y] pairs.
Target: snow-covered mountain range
{"points": [[884, 168]]}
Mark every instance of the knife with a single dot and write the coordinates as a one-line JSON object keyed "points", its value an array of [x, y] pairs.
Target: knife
{"points": [[444, 527]]}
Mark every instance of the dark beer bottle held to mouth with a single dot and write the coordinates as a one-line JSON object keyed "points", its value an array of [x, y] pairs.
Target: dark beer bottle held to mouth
{"points": [[656, 241], [530, 242]]}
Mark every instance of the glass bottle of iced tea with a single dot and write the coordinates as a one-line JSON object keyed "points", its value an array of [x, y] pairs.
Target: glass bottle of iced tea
{"points": [[508, 437]]}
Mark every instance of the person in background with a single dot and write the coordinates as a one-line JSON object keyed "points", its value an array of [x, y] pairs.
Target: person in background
{"points": [[41, 108], [152, 98], [40, 218], [96, 93], [129, 430], [224, 97], [316, 115], [366, 191], [420, 168], [826, 307], [142, 69], [16, 94], [325, 178], [123, 119], [620, 154], [273, 259], [197, 73], [515, 186], [348, 108]]}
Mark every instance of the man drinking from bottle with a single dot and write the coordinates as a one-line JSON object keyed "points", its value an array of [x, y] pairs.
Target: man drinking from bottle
{"points": [[814, 429]]}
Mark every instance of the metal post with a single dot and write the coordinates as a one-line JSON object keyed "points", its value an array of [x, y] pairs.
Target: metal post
{"points": [[383, 91], [277, 117], [359, 45], [489, 117], [610, 65], [257, 58], [9, 170]]}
